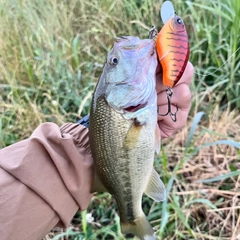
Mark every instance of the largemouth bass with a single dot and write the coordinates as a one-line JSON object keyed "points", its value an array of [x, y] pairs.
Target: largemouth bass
{"points": [[124, 133]]}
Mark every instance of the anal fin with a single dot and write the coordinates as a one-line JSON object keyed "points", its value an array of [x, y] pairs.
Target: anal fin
{"points": [[155, 188]]}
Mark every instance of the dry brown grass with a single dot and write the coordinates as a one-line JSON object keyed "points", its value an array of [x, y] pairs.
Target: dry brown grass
{"points": [[222, 221]]}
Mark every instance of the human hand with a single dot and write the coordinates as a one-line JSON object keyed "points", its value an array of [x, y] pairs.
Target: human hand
{"points": [[181, 97]]}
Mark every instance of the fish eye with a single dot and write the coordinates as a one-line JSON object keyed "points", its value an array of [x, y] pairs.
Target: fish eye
{"points": [[114, 61]]}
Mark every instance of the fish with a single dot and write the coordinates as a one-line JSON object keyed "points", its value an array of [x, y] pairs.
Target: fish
{"points": [[173, 50], [124, 134]]}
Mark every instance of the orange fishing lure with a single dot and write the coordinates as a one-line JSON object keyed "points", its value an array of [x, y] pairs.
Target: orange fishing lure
{"points": [[173, 50]]}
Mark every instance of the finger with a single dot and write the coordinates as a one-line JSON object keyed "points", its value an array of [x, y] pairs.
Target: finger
{"points": [[186, 78], [187, 75], [168, 127], [181, 97]]}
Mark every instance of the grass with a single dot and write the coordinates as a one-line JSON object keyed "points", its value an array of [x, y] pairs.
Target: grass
{"points": [[215, 49], [51, 55]]}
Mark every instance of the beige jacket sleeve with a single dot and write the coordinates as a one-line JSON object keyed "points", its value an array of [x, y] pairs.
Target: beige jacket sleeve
{"points": [[44, 180]]}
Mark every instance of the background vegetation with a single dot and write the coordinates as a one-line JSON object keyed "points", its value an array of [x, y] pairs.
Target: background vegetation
{"points": [[51, 55]]}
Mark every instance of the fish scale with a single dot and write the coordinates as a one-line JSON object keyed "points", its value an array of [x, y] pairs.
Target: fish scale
{"points": [[120, 169]]}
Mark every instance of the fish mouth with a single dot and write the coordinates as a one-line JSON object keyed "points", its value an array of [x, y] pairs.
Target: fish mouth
{"points": [[152, 50], [135, 108]]}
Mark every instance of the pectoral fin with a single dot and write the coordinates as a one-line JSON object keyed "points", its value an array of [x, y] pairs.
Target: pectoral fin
{"points": [[155, 188], [97, 184], [132, 136], [157, 139]]}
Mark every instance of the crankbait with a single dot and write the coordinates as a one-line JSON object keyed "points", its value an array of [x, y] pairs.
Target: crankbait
{"points": [[172, 50]]}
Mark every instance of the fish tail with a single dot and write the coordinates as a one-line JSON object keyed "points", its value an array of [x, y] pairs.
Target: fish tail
{"points": [[140, 227]]}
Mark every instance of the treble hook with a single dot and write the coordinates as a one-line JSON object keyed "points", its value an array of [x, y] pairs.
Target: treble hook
{"points": [[173, 116], [153, 32]]}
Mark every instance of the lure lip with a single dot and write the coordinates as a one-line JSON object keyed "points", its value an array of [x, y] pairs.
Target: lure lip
{"points": [[167, 11]]}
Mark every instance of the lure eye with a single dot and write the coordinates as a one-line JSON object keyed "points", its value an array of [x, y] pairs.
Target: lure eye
{"points": [[178, 24], [179, 21], [114, 61]]}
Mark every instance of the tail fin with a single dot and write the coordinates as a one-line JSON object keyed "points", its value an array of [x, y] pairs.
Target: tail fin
{"points": [[140, 227]]}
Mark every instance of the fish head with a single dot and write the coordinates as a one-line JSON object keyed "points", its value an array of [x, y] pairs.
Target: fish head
{"points": [[129, 74]]}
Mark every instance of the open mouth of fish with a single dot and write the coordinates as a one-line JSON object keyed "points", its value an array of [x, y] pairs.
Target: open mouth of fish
{"points": [[135, 108]]}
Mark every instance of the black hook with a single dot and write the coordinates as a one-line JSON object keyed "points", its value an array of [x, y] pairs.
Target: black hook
{"points": [[173, 116], [153, 32]]}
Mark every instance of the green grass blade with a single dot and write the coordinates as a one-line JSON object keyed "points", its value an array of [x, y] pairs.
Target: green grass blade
{"points": [[193, 128], [218, 12], [201, 200], [181, 215], [221, 177], [225, 142]]}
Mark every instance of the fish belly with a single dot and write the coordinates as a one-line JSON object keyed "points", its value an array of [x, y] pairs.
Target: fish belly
{"points": [[123, 165]]}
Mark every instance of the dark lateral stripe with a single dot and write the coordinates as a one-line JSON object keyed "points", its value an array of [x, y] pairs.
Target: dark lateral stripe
{"points": [[181, 53], [178, 60], [181, 46], [178, 34], [178, 39], [173, 75]]}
